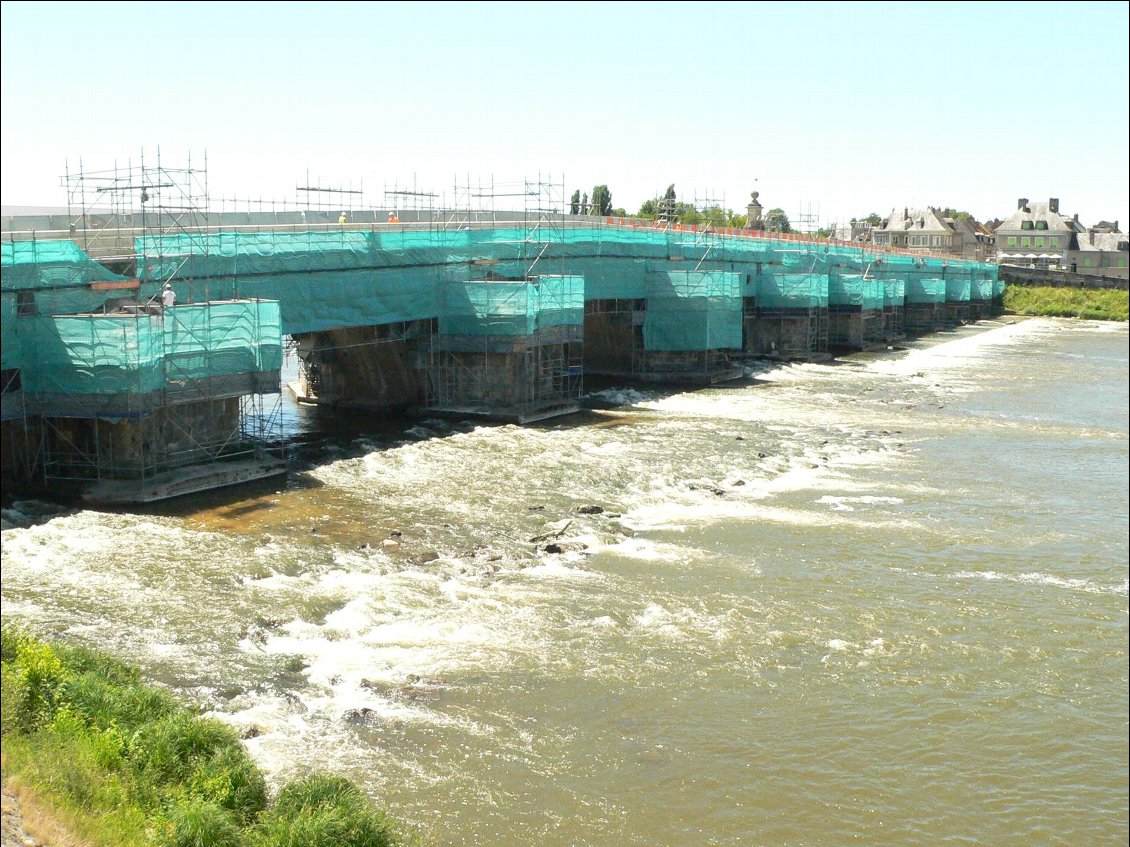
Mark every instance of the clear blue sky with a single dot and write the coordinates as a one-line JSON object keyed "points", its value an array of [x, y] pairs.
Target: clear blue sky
{"points": [[837, 108]]}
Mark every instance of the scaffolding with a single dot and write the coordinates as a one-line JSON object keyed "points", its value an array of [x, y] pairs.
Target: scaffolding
{"points": [[144, 399], [508, 348], [959, 285], [855, 311], [134, 394], [109, 208], [894, 309], [792, 315], [925, 304]]}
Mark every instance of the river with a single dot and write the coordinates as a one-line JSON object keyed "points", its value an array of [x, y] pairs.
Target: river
{"points": [[881, 600]]}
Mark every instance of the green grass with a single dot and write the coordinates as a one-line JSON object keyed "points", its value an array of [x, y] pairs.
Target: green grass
{"points": [[123, 763], [1089, 303]]}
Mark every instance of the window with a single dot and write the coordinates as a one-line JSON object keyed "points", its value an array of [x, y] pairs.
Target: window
{"points": [[1012, 241], [937, 240], [1025, 241], [1041, 224], [1039, 241], [1053, 240], [1026, 225], [1089, 261]]}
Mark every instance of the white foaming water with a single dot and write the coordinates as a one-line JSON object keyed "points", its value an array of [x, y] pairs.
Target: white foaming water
{"points": [[1046, 579], [622, 689], [970, 350]]}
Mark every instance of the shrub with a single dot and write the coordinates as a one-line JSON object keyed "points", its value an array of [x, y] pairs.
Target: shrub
{"points": [[198, 823], [129, 705], [323, 811]]}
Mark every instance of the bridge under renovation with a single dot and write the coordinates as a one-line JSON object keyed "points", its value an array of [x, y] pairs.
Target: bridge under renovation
{"points": [[110, 394]]}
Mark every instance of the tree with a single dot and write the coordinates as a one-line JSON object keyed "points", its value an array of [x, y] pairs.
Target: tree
{"points": [[575, 203], [667, 211], [874, 219], [649, 209], [955, 214], [777, 221], [601, 201], [716, 216]]}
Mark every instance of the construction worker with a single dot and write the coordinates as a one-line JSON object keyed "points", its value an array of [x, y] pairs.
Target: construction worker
{"points": [[342, 219], [392, 218], [168, 296]]}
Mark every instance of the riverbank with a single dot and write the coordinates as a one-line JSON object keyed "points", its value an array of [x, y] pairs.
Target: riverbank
{"points": [[1051, 302], [108, 761]]}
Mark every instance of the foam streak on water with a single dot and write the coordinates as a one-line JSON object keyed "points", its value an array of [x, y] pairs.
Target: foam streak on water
{"points": [[881, 600]]}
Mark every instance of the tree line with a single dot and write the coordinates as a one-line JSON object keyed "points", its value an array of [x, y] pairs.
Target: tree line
{"points": [[669, 209]]}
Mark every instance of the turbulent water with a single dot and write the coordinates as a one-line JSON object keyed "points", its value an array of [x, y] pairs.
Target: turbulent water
{"points": [[881, 600]]}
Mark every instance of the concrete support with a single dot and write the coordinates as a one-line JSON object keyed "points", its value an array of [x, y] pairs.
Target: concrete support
{"points": [[792, 333], [854, 328], [370, 367]]}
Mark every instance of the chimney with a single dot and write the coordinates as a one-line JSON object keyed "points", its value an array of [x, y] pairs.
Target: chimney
{"points": [[905, 213], [1022, 202], [1076, 217], [1053, 205]]}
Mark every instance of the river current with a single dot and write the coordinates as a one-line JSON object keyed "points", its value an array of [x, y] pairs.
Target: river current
{"points": [[882, 600]]}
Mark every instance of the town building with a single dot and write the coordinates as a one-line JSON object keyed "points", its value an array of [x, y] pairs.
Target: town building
{"points": [[1102, 251], [930, 230], [1038, 235]]}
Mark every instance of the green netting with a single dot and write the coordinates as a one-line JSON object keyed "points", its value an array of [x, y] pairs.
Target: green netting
{"points": [[693, 310], [925, 290], [561, 301], [93, 354], [511, 307], [792, 291], [981, 289], [218, 339], [338, 278], [138, 354], [998, 288], [894, 292], [30, 265], [315, 302], [854, 290], [11, 349], [958, 286]]}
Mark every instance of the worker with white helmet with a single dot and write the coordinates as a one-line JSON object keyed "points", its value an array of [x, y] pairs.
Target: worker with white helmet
{"points": [[168, 296]]}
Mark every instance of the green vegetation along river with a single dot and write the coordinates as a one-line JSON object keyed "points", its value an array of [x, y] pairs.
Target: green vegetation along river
{"points": [[881, 600]]}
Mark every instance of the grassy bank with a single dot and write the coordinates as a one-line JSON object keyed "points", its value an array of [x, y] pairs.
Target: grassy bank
{"points": [[121, 763], [1048, 302]]}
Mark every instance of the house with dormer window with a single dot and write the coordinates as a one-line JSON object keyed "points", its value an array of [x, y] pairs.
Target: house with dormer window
{"points": [[1037, 235], [931, 230]]}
